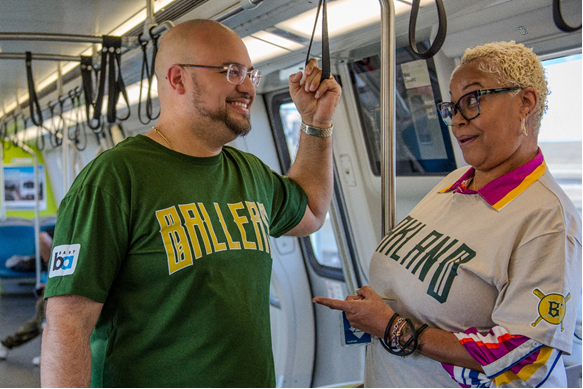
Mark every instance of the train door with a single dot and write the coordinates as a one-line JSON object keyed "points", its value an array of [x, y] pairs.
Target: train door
{"points": [[306, 339]]}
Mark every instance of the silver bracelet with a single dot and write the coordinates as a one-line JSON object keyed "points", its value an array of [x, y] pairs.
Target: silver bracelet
{"points": [[315, 131]]}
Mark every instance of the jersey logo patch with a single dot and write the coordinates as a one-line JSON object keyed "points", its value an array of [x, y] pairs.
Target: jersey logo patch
{"points": [[551, 308], [64, 260]]}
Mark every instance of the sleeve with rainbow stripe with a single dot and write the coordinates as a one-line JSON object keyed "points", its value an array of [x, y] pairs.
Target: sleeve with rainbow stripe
{"points": [[507, 360]]}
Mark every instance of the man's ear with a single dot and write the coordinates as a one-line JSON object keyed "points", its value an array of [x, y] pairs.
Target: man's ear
{"points": [[175, 79]]}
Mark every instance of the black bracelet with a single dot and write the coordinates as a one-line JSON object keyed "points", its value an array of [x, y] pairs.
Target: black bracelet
{"points": [[387, 330], [415, 337], [403, 350], [400, 351], [421, 329], [389, 325]]}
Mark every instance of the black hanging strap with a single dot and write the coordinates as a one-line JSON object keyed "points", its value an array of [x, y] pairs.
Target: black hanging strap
{"points": [[441, 30], [79, 137], [325, 43], [32, 97], [558, 18], [148, 71], [87, 70], [111, 55], [58, 124], [14, 137]]}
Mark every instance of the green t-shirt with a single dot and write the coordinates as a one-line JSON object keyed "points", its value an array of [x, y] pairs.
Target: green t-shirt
{"points": [[177, 248]]}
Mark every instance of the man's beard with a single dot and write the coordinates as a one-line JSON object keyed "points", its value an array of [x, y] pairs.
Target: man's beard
{"points": [[220, 115], [237, 127]]}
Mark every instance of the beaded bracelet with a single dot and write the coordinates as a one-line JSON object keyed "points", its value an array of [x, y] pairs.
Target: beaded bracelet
{"points": [[396, 334]]}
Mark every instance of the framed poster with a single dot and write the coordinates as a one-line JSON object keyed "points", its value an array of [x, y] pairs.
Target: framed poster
{"points": [[19, 187]]}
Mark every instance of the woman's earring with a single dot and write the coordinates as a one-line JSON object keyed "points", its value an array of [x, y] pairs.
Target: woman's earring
{"points": [[523, 127]]}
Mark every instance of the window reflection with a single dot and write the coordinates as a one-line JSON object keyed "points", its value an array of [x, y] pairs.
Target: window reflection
{"points": [[323, 241], [423, 143]]}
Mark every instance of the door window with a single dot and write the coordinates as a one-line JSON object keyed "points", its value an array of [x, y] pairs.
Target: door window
{"points": [[423, 143], [323, 241]]}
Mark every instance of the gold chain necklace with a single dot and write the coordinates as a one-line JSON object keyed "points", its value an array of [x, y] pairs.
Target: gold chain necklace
{"points": [[163, 137]]}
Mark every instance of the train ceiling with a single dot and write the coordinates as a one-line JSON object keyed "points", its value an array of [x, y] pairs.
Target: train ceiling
{"points": [[112, 17]]}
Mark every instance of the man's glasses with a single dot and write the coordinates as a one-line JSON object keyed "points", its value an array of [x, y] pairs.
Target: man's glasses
{"points": [[468, 105], [235, 73]]}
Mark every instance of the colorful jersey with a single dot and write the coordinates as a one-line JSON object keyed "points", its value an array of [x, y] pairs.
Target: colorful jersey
{"points": [[500, 268], [507, 360], [177, 248]]}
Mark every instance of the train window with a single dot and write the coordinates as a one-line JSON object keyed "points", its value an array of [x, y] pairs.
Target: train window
{"points": [[320, 249], [323, 241], [560, 132], [423, 141]]}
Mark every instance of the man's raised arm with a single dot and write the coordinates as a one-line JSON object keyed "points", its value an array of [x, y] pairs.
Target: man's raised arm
{"points": [[312, 169]]}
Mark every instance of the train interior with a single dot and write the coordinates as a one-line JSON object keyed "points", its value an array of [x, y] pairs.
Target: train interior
{"points": [[40, 160]]}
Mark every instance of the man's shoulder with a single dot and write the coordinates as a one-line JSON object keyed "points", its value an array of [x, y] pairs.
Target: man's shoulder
{"points": [[242, 156], [111, 163], [134, 144], [230, 150]]}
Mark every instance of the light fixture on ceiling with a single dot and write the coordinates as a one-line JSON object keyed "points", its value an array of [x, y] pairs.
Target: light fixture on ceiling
{"points": [[138, 18], [343, 16], [263, 46]]}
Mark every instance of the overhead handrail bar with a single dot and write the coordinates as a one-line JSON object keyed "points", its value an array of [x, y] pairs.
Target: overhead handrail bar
{"points": [[40, 57], [388, 121], [154, 32], [50, 37], [127, 42], [236, 9]]}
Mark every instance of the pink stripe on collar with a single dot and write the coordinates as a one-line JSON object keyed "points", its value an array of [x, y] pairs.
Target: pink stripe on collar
{"points": [[504, 189]]}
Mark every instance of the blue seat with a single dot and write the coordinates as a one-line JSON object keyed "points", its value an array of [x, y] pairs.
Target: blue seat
{"points": [[16, 238]]}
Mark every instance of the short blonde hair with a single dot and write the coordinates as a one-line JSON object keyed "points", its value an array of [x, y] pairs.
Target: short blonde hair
{"points": [[513, 65]]}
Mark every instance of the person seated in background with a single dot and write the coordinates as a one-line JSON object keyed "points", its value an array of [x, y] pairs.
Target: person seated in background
{"points": [[33, 327]]}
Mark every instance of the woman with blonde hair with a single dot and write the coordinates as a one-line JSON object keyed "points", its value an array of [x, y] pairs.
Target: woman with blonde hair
{"points": [[485, 271]]}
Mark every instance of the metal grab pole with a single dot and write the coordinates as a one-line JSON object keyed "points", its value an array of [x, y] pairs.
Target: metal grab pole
{"points": [[151, 29], [388, 118], [2, 188], [2, 194], [36, 212]]}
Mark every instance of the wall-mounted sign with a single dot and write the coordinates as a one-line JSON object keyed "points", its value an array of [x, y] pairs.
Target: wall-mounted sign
{"points": [[19, 187]]}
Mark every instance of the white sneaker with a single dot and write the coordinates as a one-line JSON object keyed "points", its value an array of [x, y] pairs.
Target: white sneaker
{"points": [[3, 352], [36, 361]]}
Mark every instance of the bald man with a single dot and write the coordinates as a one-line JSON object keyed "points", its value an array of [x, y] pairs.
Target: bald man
{"points": [[161, 261]]}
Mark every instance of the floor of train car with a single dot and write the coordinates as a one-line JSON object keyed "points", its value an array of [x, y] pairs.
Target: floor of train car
{"points": [[18, 371]]}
